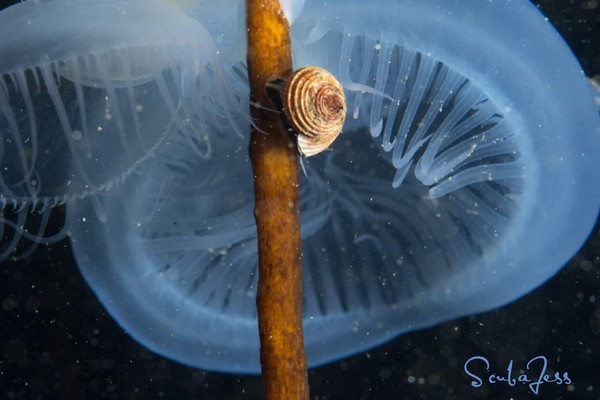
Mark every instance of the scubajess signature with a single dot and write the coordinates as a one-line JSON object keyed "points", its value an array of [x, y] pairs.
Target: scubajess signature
{"points": [[534, 375]]}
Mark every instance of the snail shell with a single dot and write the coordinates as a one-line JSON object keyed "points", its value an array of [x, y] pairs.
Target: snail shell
{"points": [[315, 106]]}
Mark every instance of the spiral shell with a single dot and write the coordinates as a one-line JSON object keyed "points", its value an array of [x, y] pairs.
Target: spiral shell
{"points": [[315, 106]]}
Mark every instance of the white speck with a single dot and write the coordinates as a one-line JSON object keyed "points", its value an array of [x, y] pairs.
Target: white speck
{"points": [[76, 134]]}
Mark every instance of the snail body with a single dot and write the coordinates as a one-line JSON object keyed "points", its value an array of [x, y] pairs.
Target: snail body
{"points": [[315, 106]]}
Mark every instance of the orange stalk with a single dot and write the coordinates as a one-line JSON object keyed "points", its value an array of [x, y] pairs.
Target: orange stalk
{"points": [[275, 166]]}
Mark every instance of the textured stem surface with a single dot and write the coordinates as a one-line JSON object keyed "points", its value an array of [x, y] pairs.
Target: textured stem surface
{"points": [[275, 166]]}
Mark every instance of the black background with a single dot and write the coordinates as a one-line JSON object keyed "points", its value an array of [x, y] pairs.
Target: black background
{"points": [[57, 342]]}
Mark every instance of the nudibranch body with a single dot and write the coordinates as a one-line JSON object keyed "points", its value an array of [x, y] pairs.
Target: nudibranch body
{"points": [[466, 176], [90, 89]]}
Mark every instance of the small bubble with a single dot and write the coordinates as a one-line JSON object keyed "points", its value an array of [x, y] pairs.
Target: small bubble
{"points": [[586, 265], [9, 304]]}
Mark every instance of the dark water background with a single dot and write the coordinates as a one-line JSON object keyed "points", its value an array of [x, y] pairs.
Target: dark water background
{"points": [[57, 342]]}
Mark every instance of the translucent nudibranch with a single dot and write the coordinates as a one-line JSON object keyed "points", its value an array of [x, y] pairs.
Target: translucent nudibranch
{"points": [[88, 91], [466, 176]]}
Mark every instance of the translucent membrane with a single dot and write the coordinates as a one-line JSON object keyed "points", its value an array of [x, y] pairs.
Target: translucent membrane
{"points": [[467, 175], [89, 90]]}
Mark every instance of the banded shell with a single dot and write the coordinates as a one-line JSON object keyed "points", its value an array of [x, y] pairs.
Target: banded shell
{"points": [[315, 105]]}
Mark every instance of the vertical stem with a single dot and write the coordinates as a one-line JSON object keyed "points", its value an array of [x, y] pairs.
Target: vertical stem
{"points": [[275, 166]]}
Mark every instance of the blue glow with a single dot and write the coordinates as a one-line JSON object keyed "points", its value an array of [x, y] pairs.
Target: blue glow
{"points": [[466, 176]]}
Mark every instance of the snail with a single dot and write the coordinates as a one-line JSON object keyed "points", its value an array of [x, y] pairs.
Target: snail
{"points": [[314, 105]]}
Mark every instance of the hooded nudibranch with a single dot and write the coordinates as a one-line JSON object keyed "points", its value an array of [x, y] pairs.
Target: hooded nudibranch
{"points": [[88, 90], [467, 176]]}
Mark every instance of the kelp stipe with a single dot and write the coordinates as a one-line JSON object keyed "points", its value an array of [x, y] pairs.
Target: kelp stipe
{"points": [[465, 178], [224, 20], [89, 89]]}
